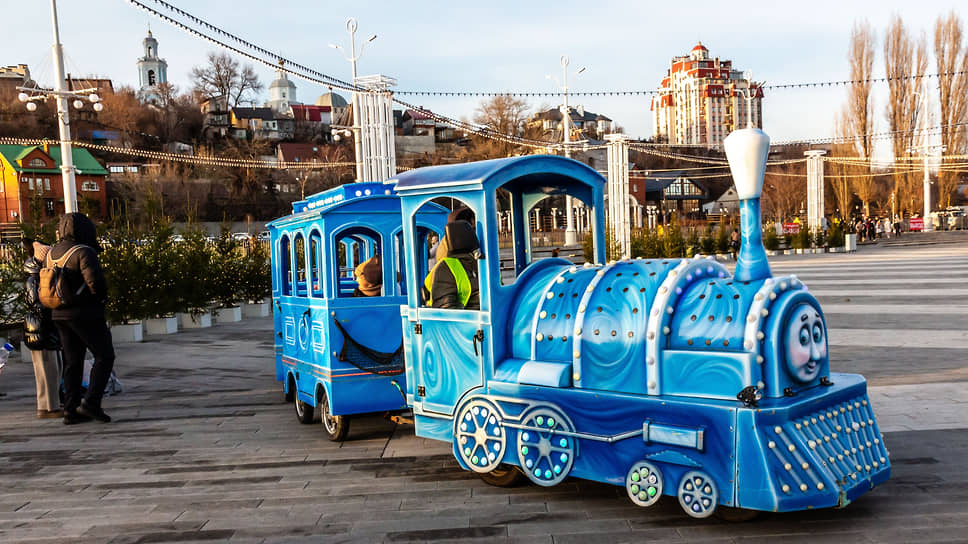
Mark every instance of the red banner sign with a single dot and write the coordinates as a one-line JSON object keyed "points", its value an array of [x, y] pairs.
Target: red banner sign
{"points": [[791, 228], [916, 223]]}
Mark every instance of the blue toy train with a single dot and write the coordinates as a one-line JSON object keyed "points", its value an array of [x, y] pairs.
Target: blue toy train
{"points": [[664, 376]]}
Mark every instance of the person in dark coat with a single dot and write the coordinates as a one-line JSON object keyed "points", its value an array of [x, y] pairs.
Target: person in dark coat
{"points": [[453, 283], [81, 322], [40, 335]]}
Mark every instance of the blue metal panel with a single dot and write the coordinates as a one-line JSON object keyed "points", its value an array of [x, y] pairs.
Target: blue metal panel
{"points": [[447, 365], [710, 315], [707, 374]]}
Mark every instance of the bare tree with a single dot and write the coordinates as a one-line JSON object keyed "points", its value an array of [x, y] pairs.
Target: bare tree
{"points": [[224, 76], [904, 62], [859, 114], [502, 113], [842, 176], [951, 55]]}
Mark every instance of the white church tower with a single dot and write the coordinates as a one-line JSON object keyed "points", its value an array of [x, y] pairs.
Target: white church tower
{"points": [[282, 93], [152, 70]]}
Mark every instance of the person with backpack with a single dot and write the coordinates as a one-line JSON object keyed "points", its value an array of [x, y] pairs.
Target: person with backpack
{"points": [[79, 316], [40, 335]]}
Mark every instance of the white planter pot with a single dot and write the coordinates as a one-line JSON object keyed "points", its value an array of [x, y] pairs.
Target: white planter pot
{"points": [[161, 325], [229, 315], [799, 251], [200, 321], [771, 252], [257, 309], [788, 252], [125, 334]]}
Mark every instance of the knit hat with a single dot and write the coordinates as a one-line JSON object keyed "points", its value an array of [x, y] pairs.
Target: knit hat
{"points": [[369, 276]]}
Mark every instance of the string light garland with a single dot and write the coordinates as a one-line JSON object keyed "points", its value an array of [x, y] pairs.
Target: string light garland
{"points": [[313, 76], [199, 160]]}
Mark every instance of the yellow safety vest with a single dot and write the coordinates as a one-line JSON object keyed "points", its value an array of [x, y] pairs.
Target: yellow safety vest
{"points": [[460, 276]]}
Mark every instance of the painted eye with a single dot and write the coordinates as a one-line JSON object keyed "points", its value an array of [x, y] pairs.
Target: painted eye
{"points": [[804, 336], [817, 333]]}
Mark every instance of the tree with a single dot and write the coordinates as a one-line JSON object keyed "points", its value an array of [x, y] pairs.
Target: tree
{"points": [[505, 114], [904, 61], [951, 55], [224, 76], [859, 114]]}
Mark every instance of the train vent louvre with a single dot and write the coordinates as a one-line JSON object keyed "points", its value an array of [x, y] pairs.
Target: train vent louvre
{"points": [[840, 443]]}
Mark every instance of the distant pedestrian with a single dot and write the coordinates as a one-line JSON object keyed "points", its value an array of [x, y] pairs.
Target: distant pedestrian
{"points": [[40, 335], [554, 252], [734, 242], [81, 322]]}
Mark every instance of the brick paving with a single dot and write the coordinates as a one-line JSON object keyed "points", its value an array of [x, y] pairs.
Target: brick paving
{"points": [[203, 448]]}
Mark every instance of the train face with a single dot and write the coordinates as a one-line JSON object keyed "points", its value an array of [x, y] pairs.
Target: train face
{"points": [[665, 376]]}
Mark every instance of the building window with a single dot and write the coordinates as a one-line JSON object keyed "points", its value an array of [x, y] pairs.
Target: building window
{"points": [[37, 163], [89, 186], [30, 184], [47, 184], [151, 78]]}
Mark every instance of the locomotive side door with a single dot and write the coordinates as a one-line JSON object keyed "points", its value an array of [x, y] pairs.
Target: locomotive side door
{"points": [[449, 349]]}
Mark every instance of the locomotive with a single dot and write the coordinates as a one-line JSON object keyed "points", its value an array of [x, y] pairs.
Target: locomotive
{"points": [[663, 376]]}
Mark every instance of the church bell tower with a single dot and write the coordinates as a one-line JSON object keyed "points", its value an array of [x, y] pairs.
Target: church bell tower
{"points": [[152, 70]]}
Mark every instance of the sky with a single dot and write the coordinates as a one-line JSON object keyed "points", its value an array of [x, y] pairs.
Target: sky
{"points": [[496, 46]]}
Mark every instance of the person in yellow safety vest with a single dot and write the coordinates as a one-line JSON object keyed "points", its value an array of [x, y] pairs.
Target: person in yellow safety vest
{"points": [[453, 283]]}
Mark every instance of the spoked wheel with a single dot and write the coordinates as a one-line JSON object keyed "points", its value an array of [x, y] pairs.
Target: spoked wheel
{"points": [[336, 427], [479, 438], [546, 449], [503, 476], [697, 494], [644, 483], [305, 413]]}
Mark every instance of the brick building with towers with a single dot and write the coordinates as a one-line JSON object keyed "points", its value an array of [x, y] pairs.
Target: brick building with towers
{"points": [[702, 99]]}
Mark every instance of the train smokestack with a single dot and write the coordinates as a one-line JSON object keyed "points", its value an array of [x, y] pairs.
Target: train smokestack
{"points": [[746, 151]]}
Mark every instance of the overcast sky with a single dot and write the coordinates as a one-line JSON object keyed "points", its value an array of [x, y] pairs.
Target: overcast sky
{"points": [[495, 46]]}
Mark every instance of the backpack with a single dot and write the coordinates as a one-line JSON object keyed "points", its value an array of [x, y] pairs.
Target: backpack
{"points": [[53, 290]]}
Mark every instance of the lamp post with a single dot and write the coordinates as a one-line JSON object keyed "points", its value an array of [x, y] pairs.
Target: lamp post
{"points": [[570, 234], [61, 94], [353, 56]]}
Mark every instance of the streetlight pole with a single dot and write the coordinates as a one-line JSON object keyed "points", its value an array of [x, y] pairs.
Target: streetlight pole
{"points": [[924, 149], [61, 94], [571, 237], [354, 55]]}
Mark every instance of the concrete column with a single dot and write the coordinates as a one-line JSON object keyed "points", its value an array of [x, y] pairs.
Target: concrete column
{"points": [[815, 203]]}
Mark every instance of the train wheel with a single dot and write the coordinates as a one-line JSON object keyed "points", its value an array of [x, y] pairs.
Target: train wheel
{"points": [[479, 437], [336, 427], [697, 494], [644, 483], [305, 413], [289, 393], [503, 476], [735, 515], [546, 455]]}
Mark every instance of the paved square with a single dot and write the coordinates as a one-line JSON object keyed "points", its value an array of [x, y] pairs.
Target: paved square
{"points": [[203, 448]]}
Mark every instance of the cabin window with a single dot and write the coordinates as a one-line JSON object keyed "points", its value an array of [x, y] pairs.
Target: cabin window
{"points": [[355, 246], [286, 265], [429, 253], [316, 264], [299, 258], [38, 163]]}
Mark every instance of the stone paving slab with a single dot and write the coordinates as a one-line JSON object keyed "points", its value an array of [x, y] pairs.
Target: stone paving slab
{"points": [[203, 449]]}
